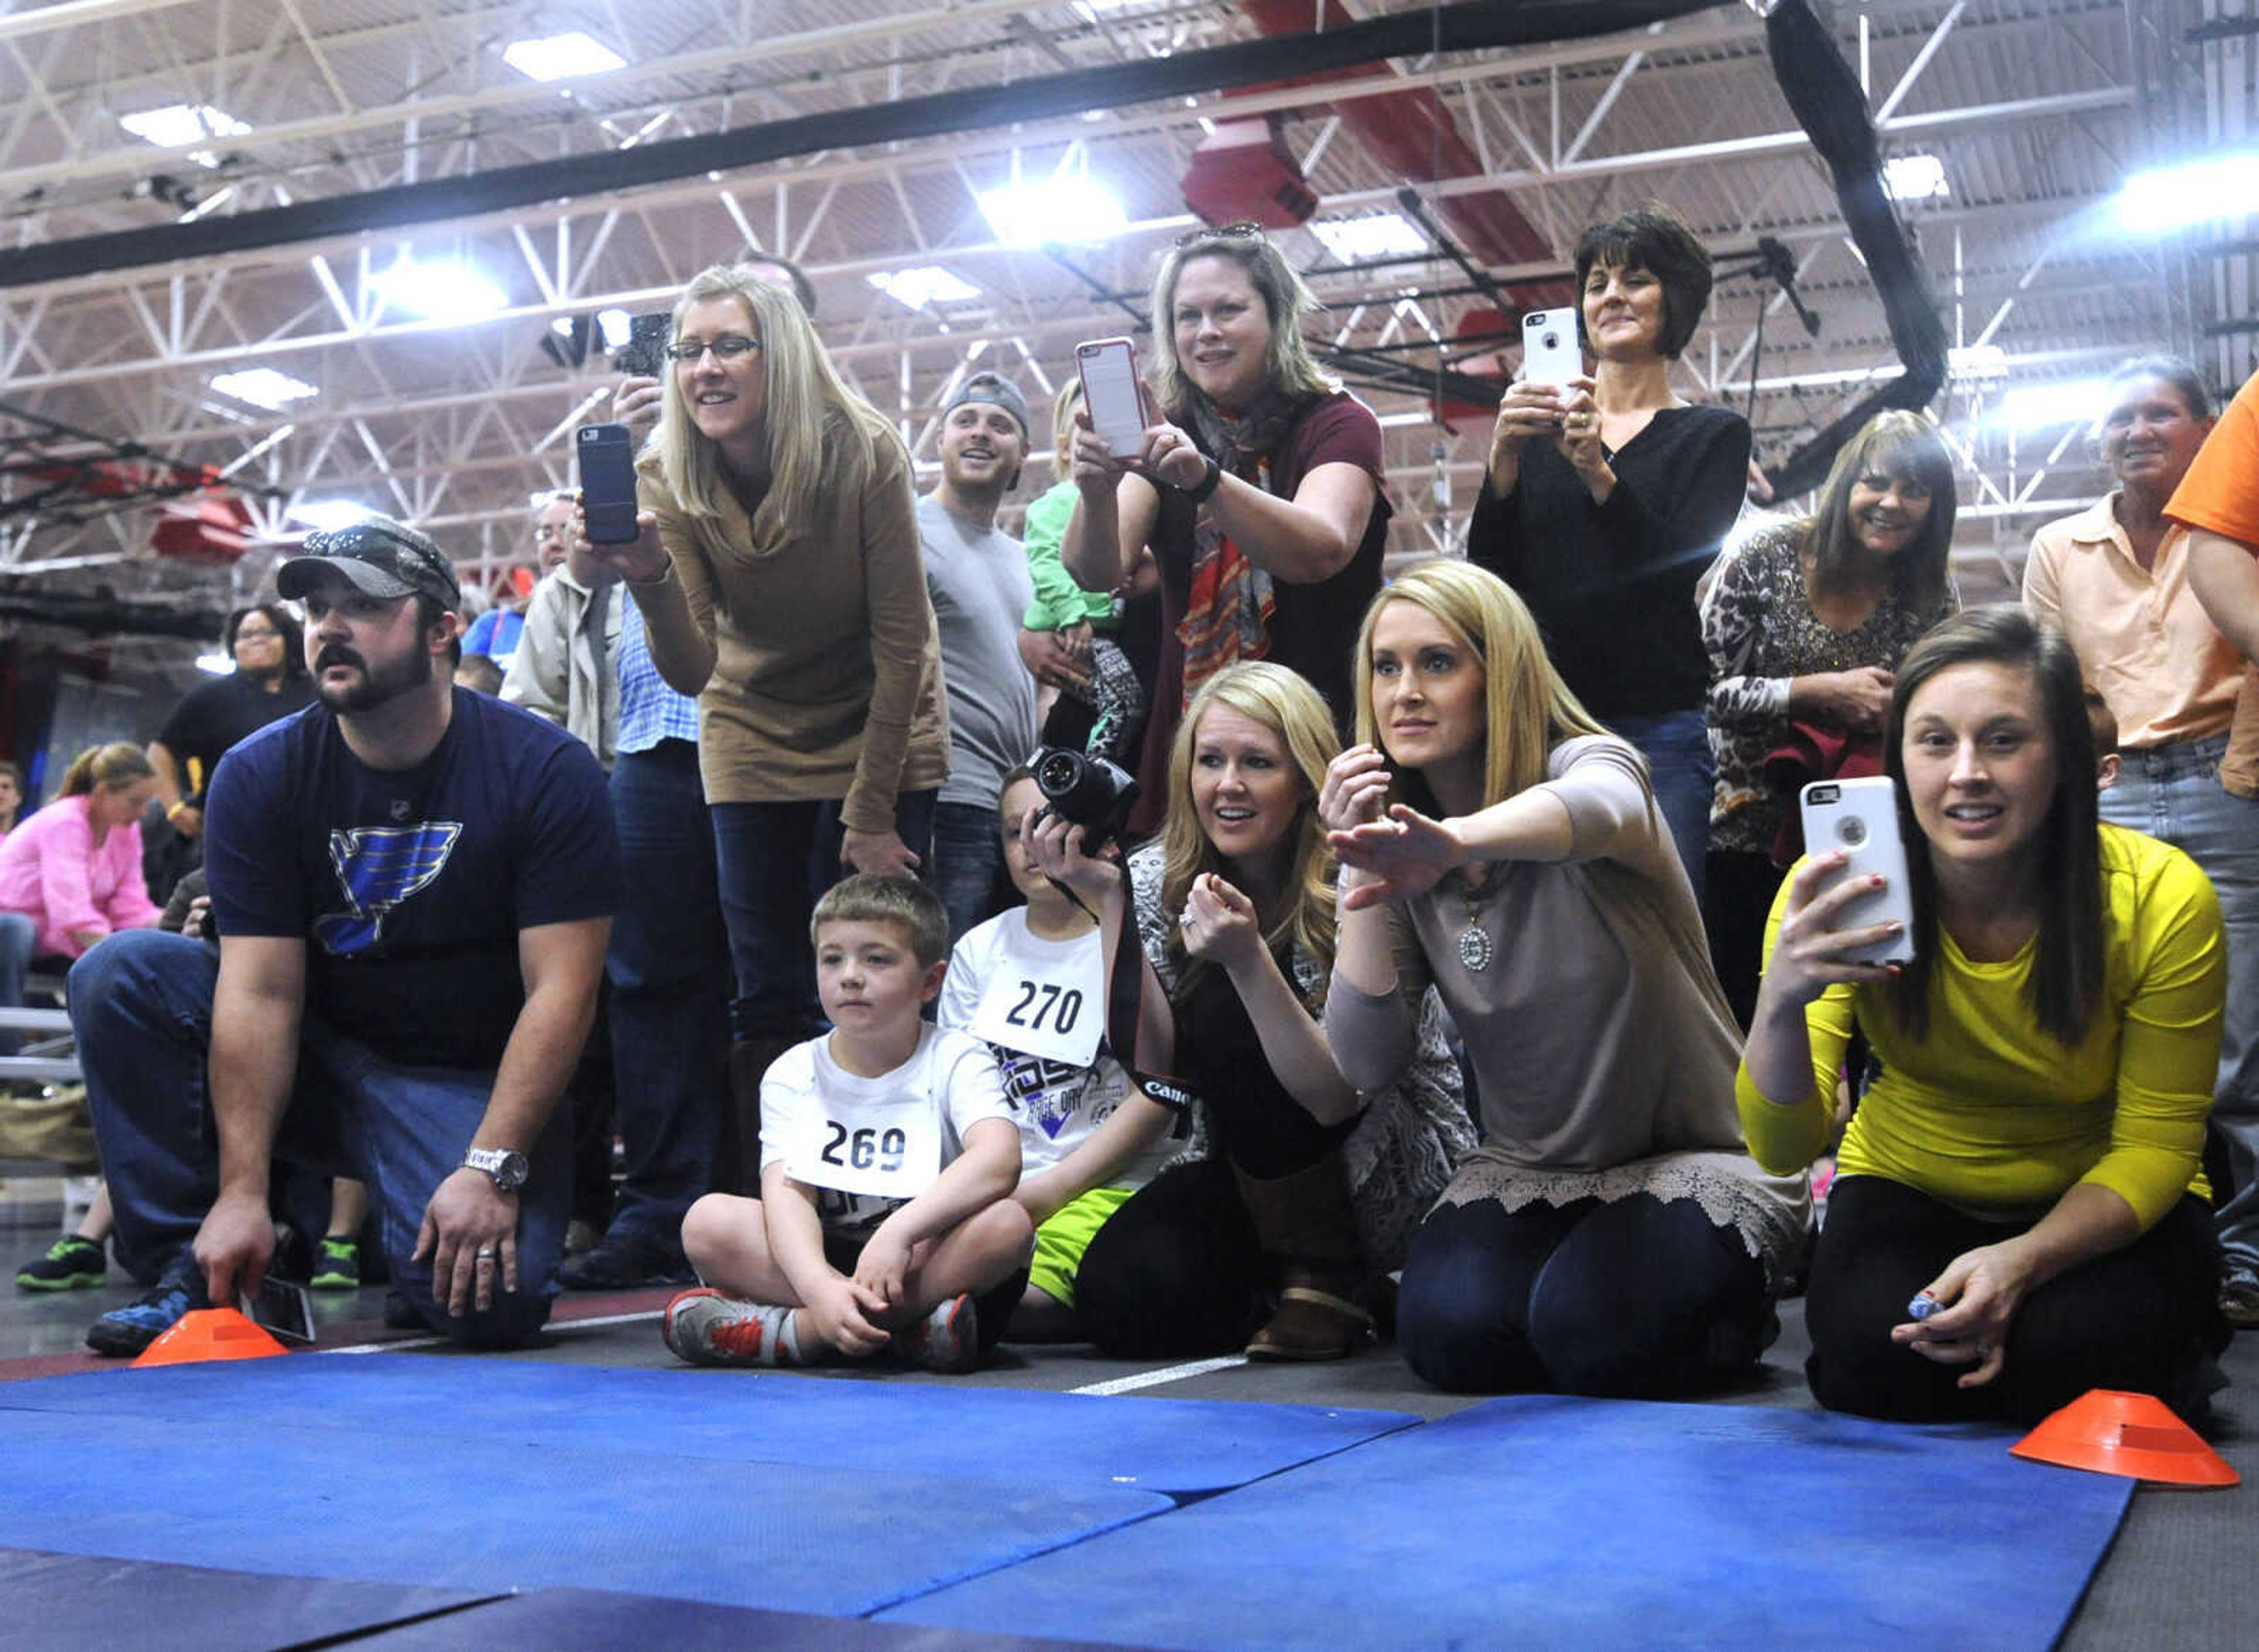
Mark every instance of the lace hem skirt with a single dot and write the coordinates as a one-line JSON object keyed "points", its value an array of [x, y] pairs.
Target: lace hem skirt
{"points": [[1771, 1215]]}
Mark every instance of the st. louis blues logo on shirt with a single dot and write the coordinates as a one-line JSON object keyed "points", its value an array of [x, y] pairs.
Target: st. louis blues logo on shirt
{"points": [[378, 868]]}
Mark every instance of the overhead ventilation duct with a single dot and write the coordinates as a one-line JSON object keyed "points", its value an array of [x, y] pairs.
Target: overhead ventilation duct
{"points": [[1415, 137], [1243, 171], [213, 532]]}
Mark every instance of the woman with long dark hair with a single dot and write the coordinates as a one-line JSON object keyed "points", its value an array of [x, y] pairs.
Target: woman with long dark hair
{"points": [[2020, 1211], [1808, 620]]}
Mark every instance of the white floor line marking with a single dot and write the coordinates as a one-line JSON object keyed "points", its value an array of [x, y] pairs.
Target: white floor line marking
{"points": [[441, 1342], [1166, 1374]]}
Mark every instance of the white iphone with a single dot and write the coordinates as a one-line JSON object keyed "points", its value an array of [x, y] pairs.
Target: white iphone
{"points": [[1861, 818], [1551, 351], [1112, 394]]}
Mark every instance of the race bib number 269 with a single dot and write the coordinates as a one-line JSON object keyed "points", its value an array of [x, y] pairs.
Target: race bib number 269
{"points": [[893, 1155]]}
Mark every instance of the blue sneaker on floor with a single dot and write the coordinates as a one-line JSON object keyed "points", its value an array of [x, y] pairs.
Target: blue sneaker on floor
{"points": [[124, 1332]]}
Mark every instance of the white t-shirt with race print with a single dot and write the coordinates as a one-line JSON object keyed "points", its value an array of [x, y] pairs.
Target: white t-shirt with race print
{"points": [[868, 1146], [1039, 1005]]}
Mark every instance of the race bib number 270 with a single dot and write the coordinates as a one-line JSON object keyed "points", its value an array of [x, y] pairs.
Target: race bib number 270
{"points": [[1057, 1016]]}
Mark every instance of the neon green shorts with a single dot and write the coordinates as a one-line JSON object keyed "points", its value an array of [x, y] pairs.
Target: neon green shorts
{"points": [[1061, 1240]]}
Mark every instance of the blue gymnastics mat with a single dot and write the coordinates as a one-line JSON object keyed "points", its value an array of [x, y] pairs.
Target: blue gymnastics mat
{"points": [[1542, 1522], [590, 1620], [456, 1512], [67, 1603], [1176, 1447]]}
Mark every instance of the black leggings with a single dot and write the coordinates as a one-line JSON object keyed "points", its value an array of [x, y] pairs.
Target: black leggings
{"points": [[2143, 1319], [1633, 1298], [1176, 1270]]}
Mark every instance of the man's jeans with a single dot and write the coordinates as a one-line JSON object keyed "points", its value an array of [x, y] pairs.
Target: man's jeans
{"points": [[968, 865], [775, 860], [2173, 792], [669, 967], [141, 1004], [1676, 747]]}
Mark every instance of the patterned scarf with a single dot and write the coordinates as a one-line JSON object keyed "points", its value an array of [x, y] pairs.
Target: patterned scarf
{"points": [[1227, 612]]}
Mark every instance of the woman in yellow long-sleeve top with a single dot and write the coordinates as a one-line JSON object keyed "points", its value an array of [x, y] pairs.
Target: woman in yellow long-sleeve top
{"points": [[2019, 1213]]}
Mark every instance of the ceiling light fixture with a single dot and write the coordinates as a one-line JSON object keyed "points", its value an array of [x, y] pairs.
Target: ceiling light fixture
{"points": [[263, 387], [2171, 197], [562, 57], [924, 285], [2040, 407], [177, 125], [439, 292], [1069, 208], [1377, 235], [1915, 178], [327, 515]]}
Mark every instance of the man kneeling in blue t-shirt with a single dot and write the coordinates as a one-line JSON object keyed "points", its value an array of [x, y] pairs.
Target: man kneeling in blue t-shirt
{"points": [[413, 886]]}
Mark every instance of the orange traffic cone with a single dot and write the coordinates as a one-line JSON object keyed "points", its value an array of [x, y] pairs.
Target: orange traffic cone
{"points": [[2136, 1435], [210, 1333]]}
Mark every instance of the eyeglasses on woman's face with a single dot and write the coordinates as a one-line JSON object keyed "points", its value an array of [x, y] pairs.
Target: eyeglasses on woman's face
{"points": [[727, 348]]}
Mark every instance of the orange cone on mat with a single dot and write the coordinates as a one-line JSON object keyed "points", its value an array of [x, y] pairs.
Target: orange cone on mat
{"points": [[206, 1334], [2136, 1435]]}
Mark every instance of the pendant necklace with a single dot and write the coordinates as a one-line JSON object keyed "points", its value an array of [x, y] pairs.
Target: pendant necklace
{"points": [[1475, 948]]}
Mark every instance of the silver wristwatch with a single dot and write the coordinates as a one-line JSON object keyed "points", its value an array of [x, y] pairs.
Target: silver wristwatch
{"points": [[507, 1166]]}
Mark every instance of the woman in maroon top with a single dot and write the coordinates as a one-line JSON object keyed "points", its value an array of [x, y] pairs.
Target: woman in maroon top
{"points": [[1258, 490]]}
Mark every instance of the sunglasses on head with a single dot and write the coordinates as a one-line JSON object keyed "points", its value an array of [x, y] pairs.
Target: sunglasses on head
{"points": [[1244, 230]]}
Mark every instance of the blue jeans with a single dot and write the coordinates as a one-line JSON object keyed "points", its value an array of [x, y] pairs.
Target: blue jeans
{"points": [[1633, 1300], [2173, 792], [141, 1004], [669, 967], [18, 937], [968, 865], [1676, 747], [773, 860]]}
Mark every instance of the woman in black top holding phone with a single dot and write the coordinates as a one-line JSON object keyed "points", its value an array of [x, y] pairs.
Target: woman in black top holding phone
{"points": [[1606, 499]]}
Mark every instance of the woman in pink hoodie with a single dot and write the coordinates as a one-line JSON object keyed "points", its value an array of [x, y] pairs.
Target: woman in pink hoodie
{"points": [[74, 868]]}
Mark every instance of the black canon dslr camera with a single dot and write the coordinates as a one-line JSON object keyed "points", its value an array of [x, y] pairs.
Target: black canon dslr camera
{"points": [[1084, 791]]}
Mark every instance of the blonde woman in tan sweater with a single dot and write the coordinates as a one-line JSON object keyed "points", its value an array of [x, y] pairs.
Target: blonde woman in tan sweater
{"points": [[780, 580]]}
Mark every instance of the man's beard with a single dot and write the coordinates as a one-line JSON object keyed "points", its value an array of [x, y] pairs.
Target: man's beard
{"points": [[374, 688], [987, 490]]}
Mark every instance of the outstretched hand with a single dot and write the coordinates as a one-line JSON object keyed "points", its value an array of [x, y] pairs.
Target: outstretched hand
{"points": [[1405, 855]]}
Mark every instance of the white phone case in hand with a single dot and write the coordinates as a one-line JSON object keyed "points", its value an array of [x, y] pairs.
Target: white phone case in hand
{"points": [[1551, 351], [1861, 818], [1111, 393]]}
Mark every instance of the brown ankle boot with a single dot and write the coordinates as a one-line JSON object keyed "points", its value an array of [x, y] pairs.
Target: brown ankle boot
{"points": [[1305, 1225]]}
